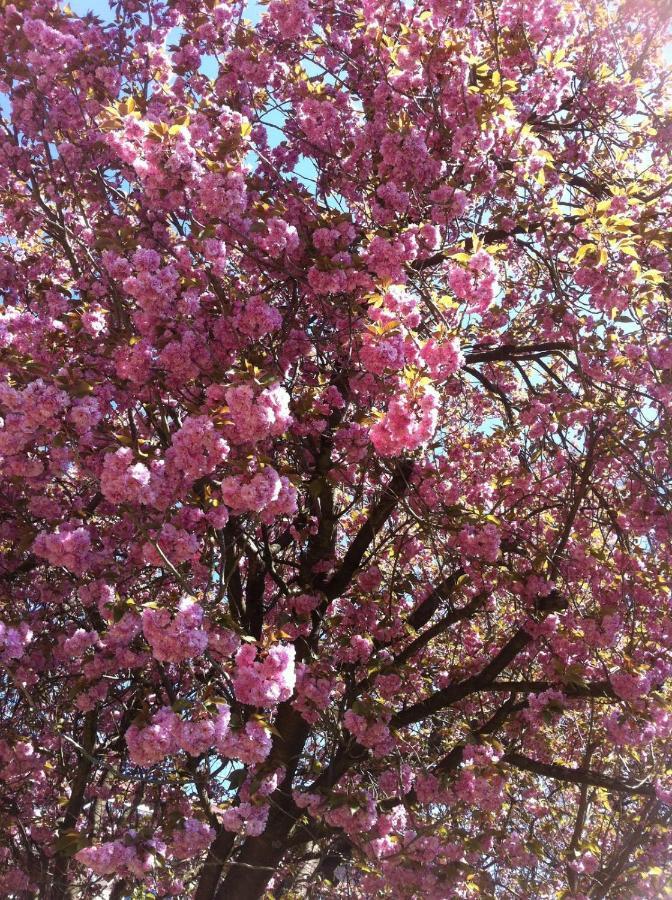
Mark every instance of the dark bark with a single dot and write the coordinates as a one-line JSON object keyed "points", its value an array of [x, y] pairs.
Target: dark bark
{"points": [[254, 596], [260, 856], [517, 352], [213, 866], [392, 493], [455, 692], [118, 890], [60, 889], [443, 591], [578, 776]]}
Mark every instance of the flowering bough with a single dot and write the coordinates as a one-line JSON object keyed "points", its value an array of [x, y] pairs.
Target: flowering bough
{"points": [[335, 396]]}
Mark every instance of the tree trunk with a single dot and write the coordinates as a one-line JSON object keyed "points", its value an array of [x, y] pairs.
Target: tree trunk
{"points": [[60, 889], [260, 857], [214, 864], [252, 868]]}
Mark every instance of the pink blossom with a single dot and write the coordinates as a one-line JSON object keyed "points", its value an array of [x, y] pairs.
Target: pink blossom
{"points": [[192, 839], [198, 736], [150, 744], [443, 359], [268, 682], [197, 448], [175, 638], [266, 492], [480, 542], [69, 546], [13, 641], [257, 416], [177, 545], [406, 426], [246, 818], [630, 687], [251, 744], [477, 283], [122, 480]]}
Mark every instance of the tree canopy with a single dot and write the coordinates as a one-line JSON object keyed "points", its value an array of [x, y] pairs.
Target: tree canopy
{"points": [[336, 496]]}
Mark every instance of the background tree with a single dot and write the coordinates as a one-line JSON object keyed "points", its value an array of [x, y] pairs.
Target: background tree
{"points": [[336, 508]]}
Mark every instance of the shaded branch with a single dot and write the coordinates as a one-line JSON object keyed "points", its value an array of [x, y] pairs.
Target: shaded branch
{"points": [[393, 491], [577, 776]]}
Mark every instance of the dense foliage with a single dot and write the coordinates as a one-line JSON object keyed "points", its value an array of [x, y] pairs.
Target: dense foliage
{"points": [[336, 500]]}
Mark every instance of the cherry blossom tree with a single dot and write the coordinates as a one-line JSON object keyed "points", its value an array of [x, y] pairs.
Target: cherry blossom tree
{"points": [[336, 499]]}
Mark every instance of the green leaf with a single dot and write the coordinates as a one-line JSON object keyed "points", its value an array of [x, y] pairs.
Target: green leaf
{"points": [[237, 777], [70, 842]]}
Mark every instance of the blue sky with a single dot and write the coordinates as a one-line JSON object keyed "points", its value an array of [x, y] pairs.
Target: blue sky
{"points": [[101, 8]]}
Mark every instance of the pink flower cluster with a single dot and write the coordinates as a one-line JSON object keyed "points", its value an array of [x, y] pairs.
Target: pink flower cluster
{"points": [[246, 818], [268, 682], [216, 254], [29, 413], [154, 286], [151, 744], [390, 354], [477, 283], [313, 693], [13, 641], [358, 650], [266, 493], [485, 791], [352, 817], [175, 639], [124, 481], [304, 604], [630, 687], [251, 744], [405, 428], [85, 414], [398, 304], [479, 543], [255, 319], [167, 733], [69, 546], [279, 238], [250, 815], [586, 862], [388, 259], [78, 642], [257, 416], [388, 686], [197, 448], [372, 734], [135, 363], [222, 642], [391, 829], [119, 857], [443, 358], [191, 839], [196, 736], [42, 35], [177, 544]]}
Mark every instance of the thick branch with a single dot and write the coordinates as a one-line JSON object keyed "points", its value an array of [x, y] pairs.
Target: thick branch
{"points": [[60, 888], [455, 692], [392, 493], [598, 689], [214, 863], [513, 351], [425, 610], [577, 776]]}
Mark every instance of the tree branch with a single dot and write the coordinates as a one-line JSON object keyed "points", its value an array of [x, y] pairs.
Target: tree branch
{"points": [[577, 776], [393, 491]]}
